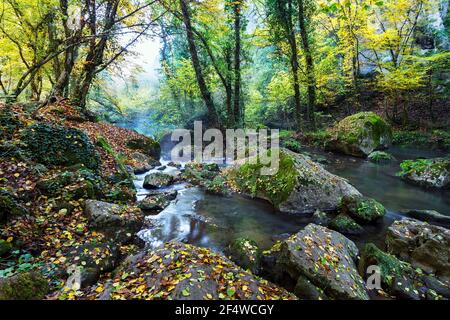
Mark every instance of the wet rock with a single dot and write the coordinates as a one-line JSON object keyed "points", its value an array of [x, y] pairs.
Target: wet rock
{"points": [[115, 221], [87, 262], [362, 209], [246, 254], [299, 186], [429, 216], [346, 225], [184, 272], [322, 256], [424, 246], [147, 145], [360, 134], [175, 165], [431, 173], [440, 287], [23, 286], [305, 289], [158, 201], [162, 168], [157, 180], [58, 145]]}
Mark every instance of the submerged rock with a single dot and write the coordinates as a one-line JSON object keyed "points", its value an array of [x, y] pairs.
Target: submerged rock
{"points": [[299, 186], [23, 286], [115, 221], [157, 180], [380, 157], [429, 216], [360, 134], [362, 209], [424, 246], [432, 173], [58, 145], [321, 257], [184, 272]]}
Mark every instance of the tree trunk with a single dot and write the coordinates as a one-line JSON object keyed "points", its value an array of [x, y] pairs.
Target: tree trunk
{"points": [[237, 64], [310, 73], [207, 98]]}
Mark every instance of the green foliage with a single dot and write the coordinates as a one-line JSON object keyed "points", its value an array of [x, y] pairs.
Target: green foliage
{"points": [[380, 156], [437, 138], [293, 145], [419, 166]]}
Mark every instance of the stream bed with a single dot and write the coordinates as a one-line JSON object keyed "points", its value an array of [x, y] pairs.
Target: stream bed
{"points": [[213, 221]]}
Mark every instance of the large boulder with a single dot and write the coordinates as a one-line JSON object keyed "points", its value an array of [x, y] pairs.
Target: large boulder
{"points": [[299, 186], [431, 173], [424, 246], [23, 286], [117, 222], [58, 145], [146, 145], [321, 260], [184, 272], [157, 180], [362, 209], [360, 134]]}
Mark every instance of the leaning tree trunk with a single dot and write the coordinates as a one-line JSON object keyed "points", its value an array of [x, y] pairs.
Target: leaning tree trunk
{"points": [[207, 98]]}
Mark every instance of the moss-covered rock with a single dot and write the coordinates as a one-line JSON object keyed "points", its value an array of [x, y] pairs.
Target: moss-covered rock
{"points": [[157, 180], [346, 225], [246, 254], [58, 145], [298, 186], [360, 134], [147, 145], [9, 122], [157, 201], [23, 286], [362, 209], [5, 247], [9, 206], [431, 173], [293, 145], [380, 157]]}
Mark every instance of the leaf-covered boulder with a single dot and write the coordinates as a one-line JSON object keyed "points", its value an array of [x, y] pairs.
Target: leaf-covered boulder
{"points": [[184, 272], [23, 286], [157, 180], [57, 145], [325, 258], [431, 173], [246, 254], [9, 206], [360, 134], [117, 222], [423, 245], [362, 209], [299, 185], [146, 145]]}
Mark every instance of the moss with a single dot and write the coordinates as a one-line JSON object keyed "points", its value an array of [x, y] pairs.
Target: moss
{"points": [[362, 208], [380, 156], [293, 145], [57, 145], [277, 188], [245, 253], [23, 286], [390, 266], [418, 167], [345, 224], [5, 247], [149, 146], [317, 138]]}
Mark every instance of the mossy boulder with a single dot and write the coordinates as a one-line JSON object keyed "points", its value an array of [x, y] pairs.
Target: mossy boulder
{"points": [[60, 146], [246, 254], [157, 202], [345, 225], [9, 206], [325, 258], [157, 180], [380, 157], [360, 134], [24, 286], [299, 185], [429, 173], [9, 122], [362, 209], [146, 145], [5, 247], [199, 173]]}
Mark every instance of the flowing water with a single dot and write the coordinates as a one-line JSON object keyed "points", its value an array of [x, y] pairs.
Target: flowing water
{"points": [[214, 221]]}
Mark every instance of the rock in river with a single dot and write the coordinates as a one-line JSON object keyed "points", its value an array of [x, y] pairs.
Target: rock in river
{"points": [[157, 180], [424, 246], [319, 259], [431, 173], [299, 186], [362, 209]]}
